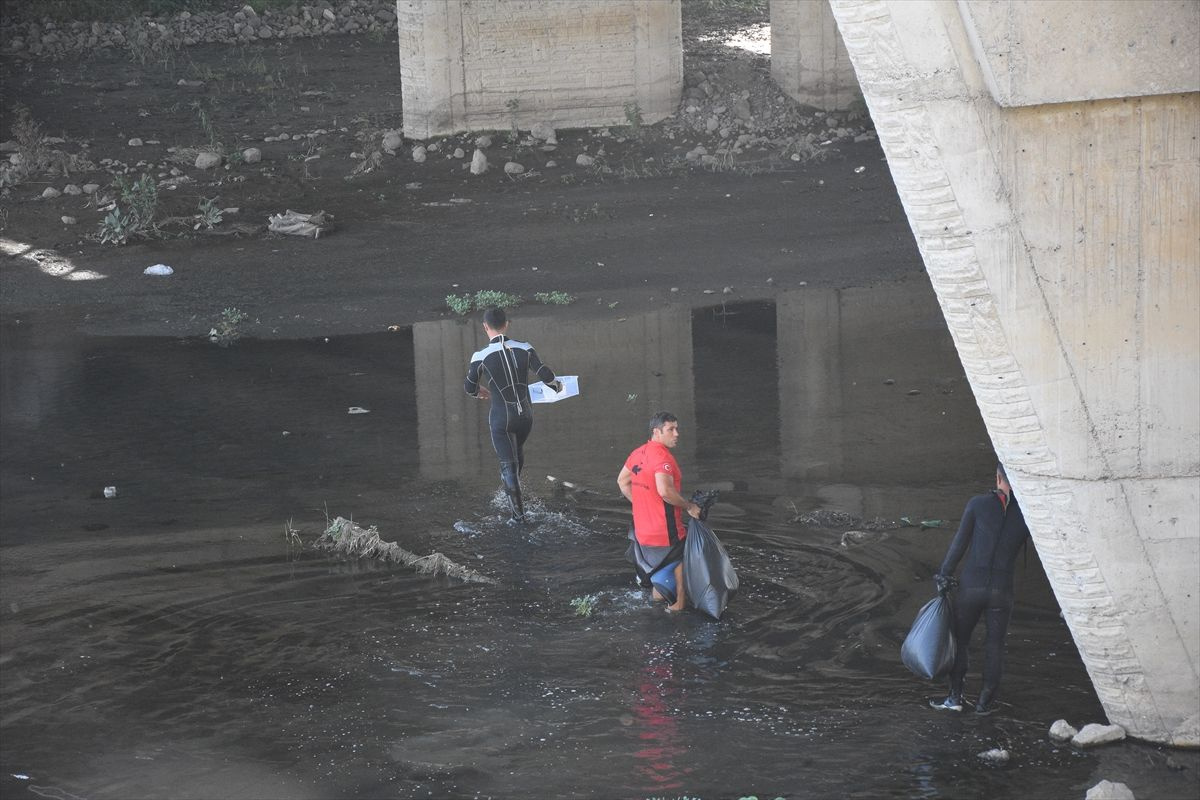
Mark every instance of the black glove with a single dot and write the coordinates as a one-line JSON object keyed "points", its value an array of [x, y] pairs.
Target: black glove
{"points": [[944, 583]]}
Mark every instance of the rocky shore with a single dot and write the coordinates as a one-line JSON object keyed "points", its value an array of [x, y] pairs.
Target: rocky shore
{"points": [[147, 35]]}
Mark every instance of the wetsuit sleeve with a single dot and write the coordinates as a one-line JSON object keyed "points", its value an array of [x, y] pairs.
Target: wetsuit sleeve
{"points": [[544, 373], [962, 540], [471, 385]]}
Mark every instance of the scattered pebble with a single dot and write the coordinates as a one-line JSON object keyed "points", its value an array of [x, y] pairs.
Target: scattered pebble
{"points": [[996, 756], [68, 220]]}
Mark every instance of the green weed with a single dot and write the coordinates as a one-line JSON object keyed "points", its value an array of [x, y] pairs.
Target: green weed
{"points": [[584, 605], [633, 117], [135, 212], [485, 298], [555, 298], [209, 214]]}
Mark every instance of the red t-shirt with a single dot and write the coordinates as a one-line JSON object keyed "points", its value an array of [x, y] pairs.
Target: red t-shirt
{"points": [[656, 523]]}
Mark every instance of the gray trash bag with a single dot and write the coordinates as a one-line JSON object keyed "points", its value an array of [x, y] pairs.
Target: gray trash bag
{"points": [[707, 571], [298, 224], [929, 648]]}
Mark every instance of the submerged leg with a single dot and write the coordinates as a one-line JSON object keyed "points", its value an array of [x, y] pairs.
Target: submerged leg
{"points": [[512, 488]]}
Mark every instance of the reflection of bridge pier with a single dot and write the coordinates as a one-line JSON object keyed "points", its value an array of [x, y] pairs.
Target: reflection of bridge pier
{"points": [[848, 431], [627, 371]]}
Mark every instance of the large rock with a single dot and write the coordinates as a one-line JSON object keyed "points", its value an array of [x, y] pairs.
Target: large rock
{"points": [[1062, 731], [1107, 790], [207, 160], [542, 131], [1094, 734]]}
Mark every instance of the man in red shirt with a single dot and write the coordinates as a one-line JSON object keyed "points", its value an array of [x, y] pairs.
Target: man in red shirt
{"points": [[651, 480]]}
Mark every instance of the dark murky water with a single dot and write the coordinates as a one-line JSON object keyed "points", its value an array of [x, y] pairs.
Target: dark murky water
{"points": [[169, 642]]}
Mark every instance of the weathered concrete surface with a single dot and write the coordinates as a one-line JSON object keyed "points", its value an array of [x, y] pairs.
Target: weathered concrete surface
{"points": [[1133, 48], [1063, 242], [808, 57], [569, 63]]}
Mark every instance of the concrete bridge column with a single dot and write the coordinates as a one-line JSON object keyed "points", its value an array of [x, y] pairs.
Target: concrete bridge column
{"points": [[1047, 156], [475, 64], [808, 57]]}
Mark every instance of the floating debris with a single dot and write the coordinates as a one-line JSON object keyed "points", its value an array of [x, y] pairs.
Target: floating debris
{"points": [[346, 538]]}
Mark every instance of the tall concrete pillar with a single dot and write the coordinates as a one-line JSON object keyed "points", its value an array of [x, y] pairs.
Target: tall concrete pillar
{"points": [[808, 57], [475, 64], [1048, 159]]}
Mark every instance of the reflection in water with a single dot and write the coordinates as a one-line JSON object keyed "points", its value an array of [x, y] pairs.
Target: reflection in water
{"points": [[660, 756], [168, 643]]}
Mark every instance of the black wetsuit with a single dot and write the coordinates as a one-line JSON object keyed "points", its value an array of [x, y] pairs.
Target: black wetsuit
{"points": [[990, 536], [504, 367]]}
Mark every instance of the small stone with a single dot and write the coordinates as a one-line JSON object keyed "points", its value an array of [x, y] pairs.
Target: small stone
{"points": [[674, 289], [479, 163], [392, 141], [584, 160], [91, 188], [252, 155], [483, 142], [1094, 734], [207, 160], [329, 15], [551, 164], [135, 142], [996, 756], [727, 290], [49, 193], [1107, 790], [513, 168], [459, 153], [71, 188], [283, 137], [418, 154], [68, 220], [1061, 730]]}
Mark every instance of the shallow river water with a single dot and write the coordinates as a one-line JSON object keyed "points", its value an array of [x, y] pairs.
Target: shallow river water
{"points": [[173, 641]]}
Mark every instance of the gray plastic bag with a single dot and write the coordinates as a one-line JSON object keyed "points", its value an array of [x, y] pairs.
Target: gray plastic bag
{"points": [[707, 571], [929, 648]]}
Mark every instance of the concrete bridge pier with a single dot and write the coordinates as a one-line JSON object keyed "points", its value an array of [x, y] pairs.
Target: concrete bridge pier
{"points": [[808, 57], [1048, 158], [481, 64]]}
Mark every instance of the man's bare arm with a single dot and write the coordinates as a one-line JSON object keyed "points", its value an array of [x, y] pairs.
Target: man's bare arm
{"points": [[666, 489]]}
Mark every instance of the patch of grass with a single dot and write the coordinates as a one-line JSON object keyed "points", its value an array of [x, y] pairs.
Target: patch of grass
{"points": [[584, 605], [464, 303], [514, 106], [555, 298], [226, 330], [209, 214], [34, 156], [633, 117], [134, 216], [578, 214]]}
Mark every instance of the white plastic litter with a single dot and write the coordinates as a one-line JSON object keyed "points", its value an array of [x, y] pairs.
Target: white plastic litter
{"points": [[357, 410], [298, 224], [158, 269]]}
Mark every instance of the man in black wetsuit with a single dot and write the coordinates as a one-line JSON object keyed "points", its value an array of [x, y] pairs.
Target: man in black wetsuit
{"points": [[990, 535], [500, 372]]}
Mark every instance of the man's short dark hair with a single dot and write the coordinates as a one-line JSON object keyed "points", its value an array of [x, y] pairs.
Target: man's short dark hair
{"points": [[495, 318], [660, 419], [1000, 471]]}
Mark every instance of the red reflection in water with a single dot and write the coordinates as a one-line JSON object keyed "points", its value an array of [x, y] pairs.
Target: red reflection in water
{"points": [[658, 728]]}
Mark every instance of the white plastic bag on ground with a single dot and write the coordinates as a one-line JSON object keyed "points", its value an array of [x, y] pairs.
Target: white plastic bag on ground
{"points": [[297, 224]]}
